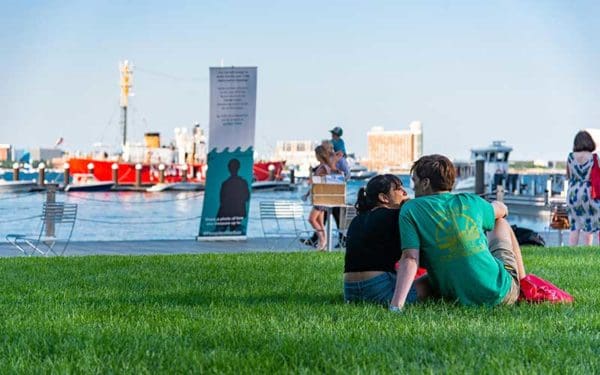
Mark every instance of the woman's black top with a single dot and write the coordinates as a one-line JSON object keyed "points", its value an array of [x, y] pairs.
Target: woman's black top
{"points": [[373, 242]]}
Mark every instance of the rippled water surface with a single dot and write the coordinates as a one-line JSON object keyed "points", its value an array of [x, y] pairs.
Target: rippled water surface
{"points": [[141, 216]]}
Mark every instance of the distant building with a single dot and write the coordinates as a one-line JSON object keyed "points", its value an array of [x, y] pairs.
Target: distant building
{"points": [[300, 154], [394, 150], [5, 152], [45, 154]]}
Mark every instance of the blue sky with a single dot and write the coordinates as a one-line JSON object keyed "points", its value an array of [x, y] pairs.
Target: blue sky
{"points": [[472, 72]]}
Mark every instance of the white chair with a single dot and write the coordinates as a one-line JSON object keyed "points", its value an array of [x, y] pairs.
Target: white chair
{"points": [[283, 220], [56, 229], [346, 215]]}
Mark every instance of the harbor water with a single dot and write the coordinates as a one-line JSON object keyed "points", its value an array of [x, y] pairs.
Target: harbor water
{"points": [[115, 216]]}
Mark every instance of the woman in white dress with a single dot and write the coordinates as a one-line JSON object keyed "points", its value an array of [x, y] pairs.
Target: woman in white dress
{"points": [[584, 212]]}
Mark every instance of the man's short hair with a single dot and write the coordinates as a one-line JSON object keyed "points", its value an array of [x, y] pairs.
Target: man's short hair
{"points": [[438, 169]]}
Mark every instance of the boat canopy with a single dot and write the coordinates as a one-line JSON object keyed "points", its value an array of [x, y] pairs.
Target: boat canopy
{"points": [[497, 152]]}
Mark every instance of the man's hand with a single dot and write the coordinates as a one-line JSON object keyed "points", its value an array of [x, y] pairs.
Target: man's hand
{"points": [[409, 262], [500, 210]]}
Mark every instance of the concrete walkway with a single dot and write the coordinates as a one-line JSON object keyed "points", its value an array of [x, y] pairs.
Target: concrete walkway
{"points": [[251, 245], [191, 246]]}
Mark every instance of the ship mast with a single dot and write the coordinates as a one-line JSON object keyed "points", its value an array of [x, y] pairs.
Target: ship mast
{"points": [[126, 81]]}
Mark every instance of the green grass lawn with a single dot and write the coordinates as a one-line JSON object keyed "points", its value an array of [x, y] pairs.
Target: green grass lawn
{"points": [[278, 312]]}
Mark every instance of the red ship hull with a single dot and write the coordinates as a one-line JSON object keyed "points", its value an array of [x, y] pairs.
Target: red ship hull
{"points": [[150, 174]]}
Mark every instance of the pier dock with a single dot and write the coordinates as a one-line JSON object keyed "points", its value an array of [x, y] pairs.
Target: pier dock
{"points": [[191, 246]]}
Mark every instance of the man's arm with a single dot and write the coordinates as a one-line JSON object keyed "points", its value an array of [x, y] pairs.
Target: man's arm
{"points": [[500, 210], [409, 262]]}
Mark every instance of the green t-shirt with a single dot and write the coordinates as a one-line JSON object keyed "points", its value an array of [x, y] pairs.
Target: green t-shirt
{"points": [[448, 230]]}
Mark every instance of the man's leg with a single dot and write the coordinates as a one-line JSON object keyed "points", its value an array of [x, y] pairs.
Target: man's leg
{"points": [[504, 233]]}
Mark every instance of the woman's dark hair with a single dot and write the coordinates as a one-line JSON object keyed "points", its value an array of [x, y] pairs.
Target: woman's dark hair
{"points": [[438, 169], [584, 142], [368, 197]]}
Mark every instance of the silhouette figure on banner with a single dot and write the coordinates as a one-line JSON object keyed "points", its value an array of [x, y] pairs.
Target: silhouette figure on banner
{"points": [[233, 198]]}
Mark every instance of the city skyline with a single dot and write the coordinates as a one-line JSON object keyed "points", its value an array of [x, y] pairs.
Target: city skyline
{"points": [[470, 72]]}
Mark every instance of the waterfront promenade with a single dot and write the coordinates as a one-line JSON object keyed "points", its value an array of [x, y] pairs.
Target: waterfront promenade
{"points": [[191, 246], [164, 247]]}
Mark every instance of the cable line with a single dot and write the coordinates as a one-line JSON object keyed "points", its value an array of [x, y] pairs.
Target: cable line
{"points": [[140, 202], [20, 219], [170, 76], [139, 222], [20, 195]]}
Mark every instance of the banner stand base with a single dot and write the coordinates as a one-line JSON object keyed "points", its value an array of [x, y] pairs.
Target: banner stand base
{"points": [[221, 238]]}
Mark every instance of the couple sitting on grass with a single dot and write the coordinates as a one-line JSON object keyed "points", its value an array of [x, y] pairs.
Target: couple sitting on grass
{"points": [[445, 233]]}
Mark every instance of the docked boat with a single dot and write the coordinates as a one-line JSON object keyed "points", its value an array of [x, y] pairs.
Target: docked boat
{"points": [[524, 195], [360, 172], [176, 186], [17, 186], [86, 182], [149, 163], [173, 173], [273, 186], [495, 159]]}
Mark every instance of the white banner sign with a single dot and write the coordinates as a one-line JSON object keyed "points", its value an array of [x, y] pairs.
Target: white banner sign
{"points": [[232, 108]]}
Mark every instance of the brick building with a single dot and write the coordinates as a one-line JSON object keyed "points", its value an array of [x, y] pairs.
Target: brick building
{"points": [[394, 150]]}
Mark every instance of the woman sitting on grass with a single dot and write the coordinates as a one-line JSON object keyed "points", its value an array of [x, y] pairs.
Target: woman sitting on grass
{"points": [[373, 243], [317, 214]]}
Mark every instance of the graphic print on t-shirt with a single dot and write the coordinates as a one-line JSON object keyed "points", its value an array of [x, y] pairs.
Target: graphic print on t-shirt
{"points": [[458, 235]]}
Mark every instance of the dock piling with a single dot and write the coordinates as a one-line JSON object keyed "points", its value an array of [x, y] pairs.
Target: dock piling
{"points": [[479, 176], [15, 172], [41, 174], [115, 173], [66, 173], [138, 175], [161, 173], [50, 198], [184, 169]]}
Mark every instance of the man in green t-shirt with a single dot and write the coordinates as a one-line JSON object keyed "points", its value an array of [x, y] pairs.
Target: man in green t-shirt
{"points": [[446, 234]]}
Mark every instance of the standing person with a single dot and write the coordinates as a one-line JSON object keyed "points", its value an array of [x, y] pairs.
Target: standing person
{"points": [[339, 147], [317, 213], [337, 141], [445, 233], [339, 165], [584, 212], [373, 244], [337, 159]]}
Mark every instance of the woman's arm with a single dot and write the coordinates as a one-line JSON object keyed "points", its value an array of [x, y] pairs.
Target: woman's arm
{"points": [[321, 171]]}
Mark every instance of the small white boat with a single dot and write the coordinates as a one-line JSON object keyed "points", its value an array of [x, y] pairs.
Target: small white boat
{"points": [[17, 186], [360, 172], [88, 183], [176, 186], [273, 186]]}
